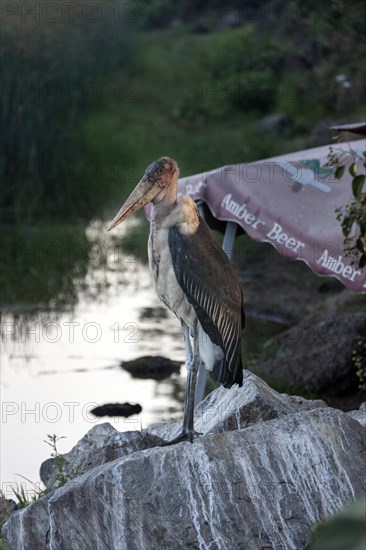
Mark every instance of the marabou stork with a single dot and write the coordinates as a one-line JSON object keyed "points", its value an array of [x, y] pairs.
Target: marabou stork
{"points": [[194, 278]]}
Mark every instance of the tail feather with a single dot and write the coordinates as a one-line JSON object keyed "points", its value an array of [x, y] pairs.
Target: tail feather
{"points": [[220, 373]]}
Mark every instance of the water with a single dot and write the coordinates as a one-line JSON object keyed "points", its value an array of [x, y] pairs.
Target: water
{"points": [[56, 366]]}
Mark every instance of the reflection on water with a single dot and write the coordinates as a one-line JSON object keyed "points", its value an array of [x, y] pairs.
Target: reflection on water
{"points": [[54, 370], [158, 312], [59, 363]]}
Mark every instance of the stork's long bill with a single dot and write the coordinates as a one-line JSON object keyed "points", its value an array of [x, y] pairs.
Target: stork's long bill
{"points": [[157, 178]]}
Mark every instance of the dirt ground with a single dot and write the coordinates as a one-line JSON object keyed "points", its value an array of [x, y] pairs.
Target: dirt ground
{"points": [[288, 290], [290, 293]]}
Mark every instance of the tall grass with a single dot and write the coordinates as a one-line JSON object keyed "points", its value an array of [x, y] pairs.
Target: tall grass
{"points": [[55, 58]]}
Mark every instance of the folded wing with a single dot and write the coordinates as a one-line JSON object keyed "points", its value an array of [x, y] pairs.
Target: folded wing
{"points": [[211, 286]]}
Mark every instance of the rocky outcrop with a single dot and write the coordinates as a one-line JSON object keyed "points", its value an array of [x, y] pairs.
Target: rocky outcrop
{"points": [[152, 366], [222, 411], [323, 350], [276, 123], [239, 408], [101, 444], [117, 409], [359, 415], [266, 470], [7, 507]]}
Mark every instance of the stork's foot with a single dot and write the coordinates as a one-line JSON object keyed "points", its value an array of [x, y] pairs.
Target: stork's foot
{"points": [[186, 435]]}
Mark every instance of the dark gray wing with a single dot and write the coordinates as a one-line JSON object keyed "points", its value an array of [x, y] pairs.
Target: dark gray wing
{"points": [[210, 284]]}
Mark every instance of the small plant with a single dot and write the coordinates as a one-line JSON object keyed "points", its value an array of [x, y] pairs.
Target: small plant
{"points": [[24, 496], [59, 459], [352, 217], [359, 361]]}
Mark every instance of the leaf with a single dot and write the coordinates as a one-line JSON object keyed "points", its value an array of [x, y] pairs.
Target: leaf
{"points": [[362, 261], [353, 169], [360, 245], [347, 223], [339, 171], [357, 184], [363, 228]]}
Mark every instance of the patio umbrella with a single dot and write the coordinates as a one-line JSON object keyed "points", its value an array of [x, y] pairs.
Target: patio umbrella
{"points": [[289, 201]]}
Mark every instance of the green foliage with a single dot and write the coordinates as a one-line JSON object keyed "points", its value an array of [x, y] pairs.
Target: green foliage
{"points": [[105, 98], [59, 460], [359, 361], [180, 108], [23, 496], [81, 100], [156, 14], [333, 72], [345, 530], [269, 349], [352, 217], [26, 497], [238, 74], [5, 514]]}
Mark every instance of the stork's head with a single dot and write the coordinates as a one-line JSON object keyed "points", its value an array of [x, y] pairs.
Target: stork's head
{"points": [[153, 186]]}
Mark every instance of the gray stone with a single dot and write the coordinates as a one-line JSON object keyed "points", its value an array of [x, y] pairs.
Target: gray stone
{"points": [[101, 444], [226, 410], [321, 134], [279, 123], [264, 486], [317, 356], [152, 366], [28, 528], [360, 414], [223, 410], [7, 507], [267, 469]]}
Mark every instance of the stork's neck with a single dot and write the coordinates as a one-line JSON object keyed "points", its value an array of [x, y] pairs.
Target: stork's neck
{"points": [[164, 203]]}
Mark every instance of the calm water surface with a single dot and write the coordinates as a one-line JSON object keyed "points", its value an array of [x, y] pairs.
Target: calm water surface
{"points": [[56, 366]]}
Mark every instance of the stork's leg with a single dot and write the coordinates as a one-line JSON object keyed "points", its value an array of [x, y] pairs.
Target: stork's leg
{"points": [[192, 364]]}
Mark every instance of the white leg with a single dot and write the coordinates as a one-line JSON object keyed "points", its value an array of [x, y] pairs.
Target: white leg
{"points": [[188, 347], [192, 363]]}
